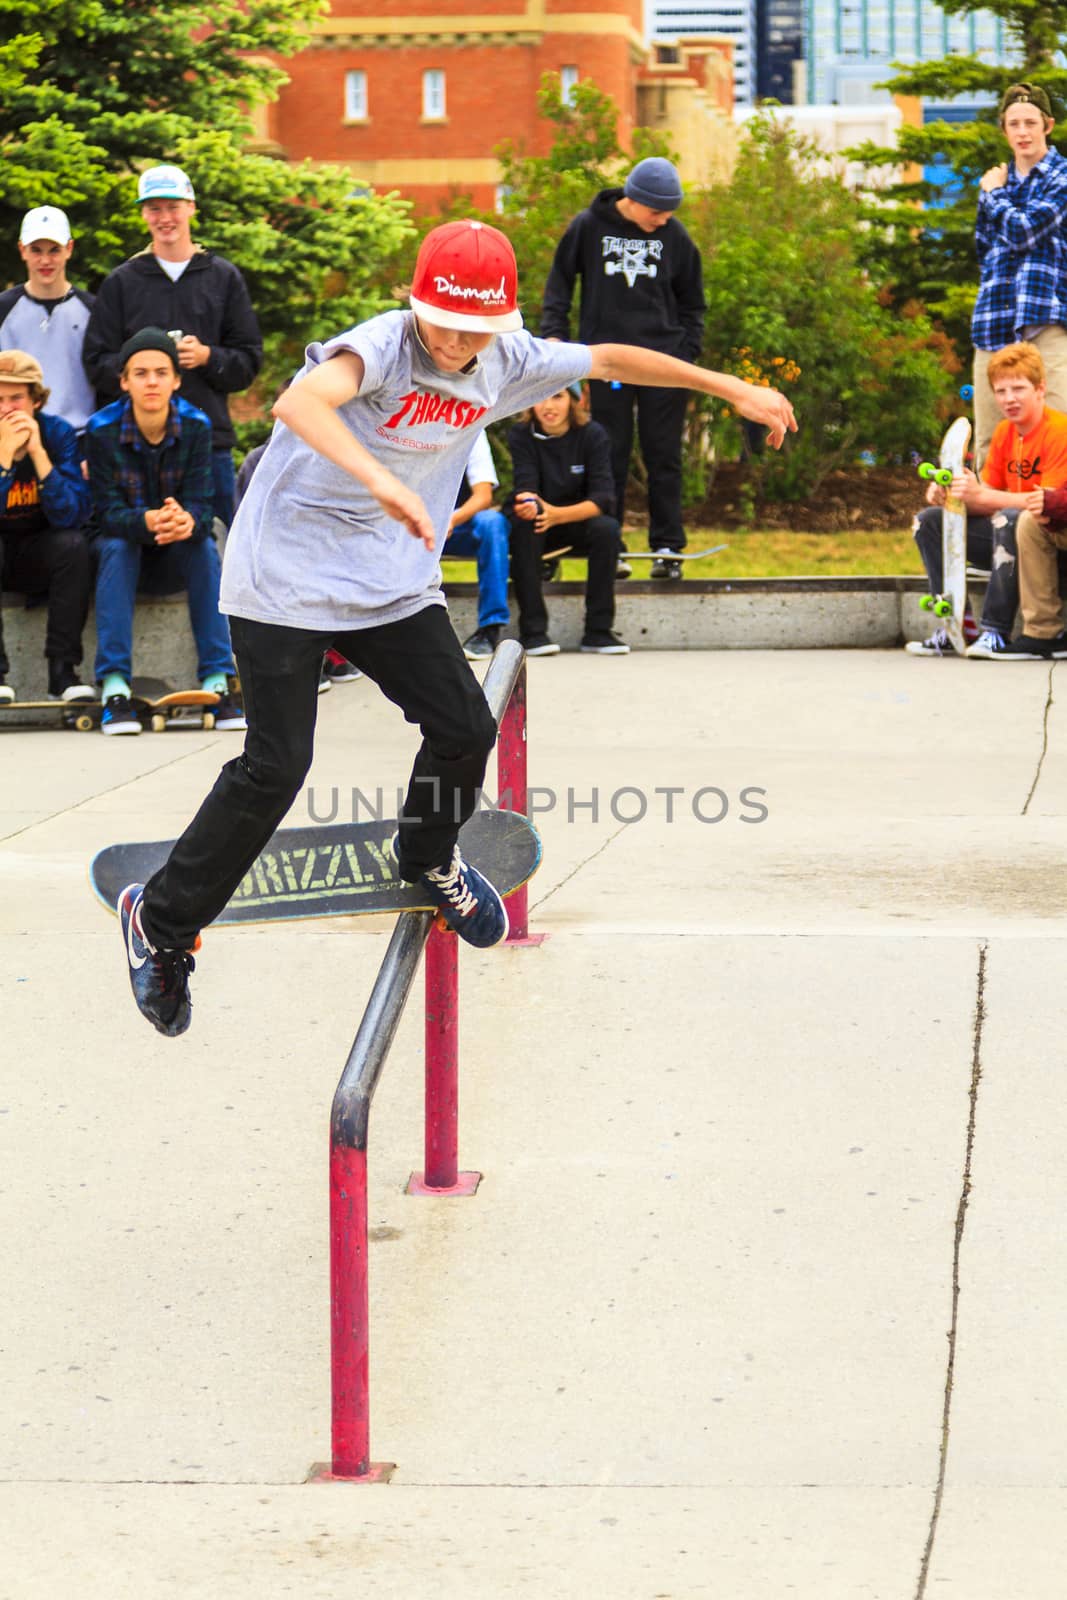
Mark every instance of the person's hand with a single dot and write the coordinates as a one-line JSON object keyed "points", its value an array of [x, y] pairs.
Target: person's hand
{"points": [[1035, 504], [936, 494], [527, 506], [403, 505], [963, 485], [191, 353], [16, 430], [995, 178], [172, 523], [770, 408]]}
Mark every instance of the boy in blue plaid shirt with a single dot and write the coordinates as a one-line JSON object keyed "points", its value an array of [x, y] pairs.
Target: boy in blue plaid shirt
{"points": [[150, 474], [1022, 255]]}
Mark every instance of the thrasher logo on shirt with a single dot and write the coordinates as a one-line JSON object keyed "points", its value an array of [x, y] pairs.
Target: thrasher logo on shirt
{"points": [[422, 406], [633, 258], [23, 494]]}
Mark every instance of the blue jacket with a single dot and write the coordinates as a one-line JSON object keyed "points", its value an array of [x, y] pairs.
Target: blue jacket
{"points": [[128, 478], [65, 496]]}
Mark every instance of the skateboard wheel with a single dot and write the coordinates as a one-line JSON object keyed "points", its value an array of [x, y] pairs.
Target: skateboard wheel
{"points": [[926, 603], [926, 469], [942, 608], [83, 723], [209, 721], [159, 722]]}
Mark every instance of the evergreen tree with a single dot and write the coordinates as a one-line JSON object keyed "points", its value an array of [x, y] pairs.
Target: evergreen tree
{"points": [[92, 91]]}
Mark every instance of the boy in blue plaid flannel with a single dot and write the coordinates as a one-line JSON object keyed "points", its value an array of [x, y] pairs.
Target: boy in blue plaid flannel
{"points": [[1022, 255]]}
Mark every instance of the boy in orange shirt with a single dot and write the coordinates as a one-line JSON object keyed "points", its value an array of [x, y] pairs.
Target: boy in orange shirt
{"points": [[1028, 448]]}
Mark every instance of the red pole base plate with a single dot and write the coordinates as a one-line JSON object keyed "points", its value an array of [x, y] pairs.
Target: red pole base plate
{"points": [[377, 1472], [466, 1183], [527, 938]]}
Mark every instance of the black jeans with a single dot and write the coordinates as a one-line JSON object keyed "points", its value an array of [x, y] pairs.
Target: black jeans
{"points": [[56, 563], [990, 544], [597, 539], [660, 420], [419, 665]]}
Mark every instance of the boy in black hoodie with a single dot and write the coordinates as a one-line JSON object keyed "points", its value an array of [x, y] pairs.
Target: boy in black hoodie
{"points": [[642, 283]]}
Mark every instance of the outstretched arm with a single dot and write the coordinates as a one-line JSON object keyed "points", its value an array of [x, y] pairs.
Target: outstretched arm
{"points": [[309, 408], [626, 363]]}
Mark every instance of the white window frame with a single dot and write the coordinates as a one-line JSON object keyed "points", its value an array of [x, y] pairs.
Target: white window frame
{"points": [[433, 94], [356, 95]]}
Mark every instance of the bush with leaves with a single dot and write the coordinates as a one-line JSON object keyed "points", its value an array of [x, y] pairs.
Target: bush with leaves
{"points": [[782, 266]]}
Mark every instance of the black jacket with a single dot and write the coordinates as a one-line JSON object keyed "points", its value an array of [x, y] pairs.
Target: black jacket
{"points": [[637, 288], [563, 468], [210, 299]]}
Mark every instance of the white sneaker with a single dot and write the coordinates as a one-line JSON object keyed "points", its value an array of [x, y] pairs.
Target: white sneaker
{"points": [[938, 644], [988, 644]]}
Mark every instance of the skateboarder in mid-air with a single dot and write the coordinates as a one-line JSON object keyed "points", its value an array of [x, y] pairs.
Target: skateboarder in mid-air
{"points": [[336, 543]]}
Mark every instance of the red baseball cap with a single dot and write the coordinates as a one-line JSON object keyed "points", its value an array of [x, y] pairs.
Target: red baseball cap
{"points": [[466, 278]]}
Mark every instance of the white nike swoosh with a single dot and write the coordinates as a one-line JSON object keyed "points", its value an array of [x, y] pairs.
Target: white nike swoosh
{"points": [[134, 959]]}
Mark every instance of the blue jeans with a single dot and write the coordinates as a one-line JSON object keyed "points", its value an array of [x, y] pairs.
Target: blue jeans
{"points": [[124, 568], [224, 490], [485, 536]]}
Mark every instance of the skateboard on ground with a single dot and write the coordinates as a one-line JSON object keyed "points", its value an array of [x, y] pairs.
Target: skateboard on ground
{"points": [[161, 707], [84, 715], [950, 605], [155, 704], [345, 870]]}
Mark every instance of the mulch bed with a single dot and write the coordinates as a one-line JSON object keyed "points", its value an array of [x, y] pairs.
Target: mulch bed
{"points": [[864, 498]]}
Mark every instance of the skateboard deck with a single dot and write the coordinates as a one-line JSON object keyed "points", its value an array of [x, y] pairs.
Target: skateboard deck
{"points": [[160, 707], [83, 715], [345, 870], [675, 555], [156, 705], [950, 605]]}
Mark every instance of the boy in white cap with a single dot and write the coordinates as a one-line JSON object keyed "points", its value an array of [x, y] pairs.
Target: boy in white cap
{"points": [[337, 542], [641, 282], [199, 298], [47, 316]]}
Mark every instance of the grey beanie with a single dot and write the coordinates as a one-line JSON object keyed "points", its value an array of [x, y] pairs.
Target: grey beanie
{"points": [[655, 183]]}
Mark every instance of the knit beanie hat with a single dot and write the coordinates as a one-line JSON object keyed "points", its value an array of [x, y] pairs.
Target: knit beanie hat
{"points": [[149, 339], [655, 183]]}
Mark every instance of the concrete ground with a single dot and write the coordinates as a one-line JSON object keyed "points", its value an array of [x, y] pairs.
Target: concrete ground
{"points": [[762, 1293]]}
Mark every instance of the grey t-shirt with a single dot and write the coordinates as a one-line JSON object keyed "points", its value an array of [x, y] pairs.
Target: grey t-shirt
{"points": [[310, 547]]}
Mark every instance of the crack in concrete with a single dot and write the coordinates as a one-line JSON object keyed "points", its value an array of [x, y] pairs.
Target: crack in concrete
{"points": [[1044, 743], [87, 800], [957, 1249], [536, 906]]}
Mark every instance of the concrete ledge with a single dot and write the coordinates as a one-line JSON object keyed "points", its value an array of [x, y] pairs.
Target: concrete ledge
{"points": [[162, 643], [739, 614], [719, 614]]}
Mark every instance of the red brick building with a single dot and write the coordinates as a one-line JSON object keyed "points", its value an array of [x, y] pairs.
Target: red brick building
{"points": [[417, 100]]}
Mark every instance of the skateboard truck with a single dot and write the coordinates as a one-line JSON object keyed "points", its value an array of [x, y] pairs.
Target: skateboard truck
{"points": [[939, 604], [941, 475]]}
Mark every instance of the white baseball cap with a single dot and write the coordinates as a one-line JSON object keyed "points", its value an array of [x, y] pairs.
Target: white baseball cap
{"points": [[45, 222], [164, 183]]}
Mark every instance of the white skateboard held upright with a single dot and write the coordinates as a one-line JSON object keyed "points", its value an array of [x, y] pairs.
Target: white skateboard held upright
{"points": [[950, 605]]}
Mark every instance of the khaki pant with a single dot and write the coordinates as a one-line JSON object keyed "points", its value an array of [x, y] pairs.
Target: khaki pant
{"points": [[1052, 343], [1039, 579]]}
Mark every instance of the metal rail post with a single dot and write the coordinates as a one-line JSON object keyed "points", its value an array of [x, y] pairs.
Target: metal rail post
{"points": [[349, 1124], [441, 1174]]}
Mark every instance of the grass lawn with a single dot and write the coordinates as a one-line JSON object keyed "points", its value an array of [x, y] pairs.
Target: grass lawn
{"points": [[771, 555]]}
